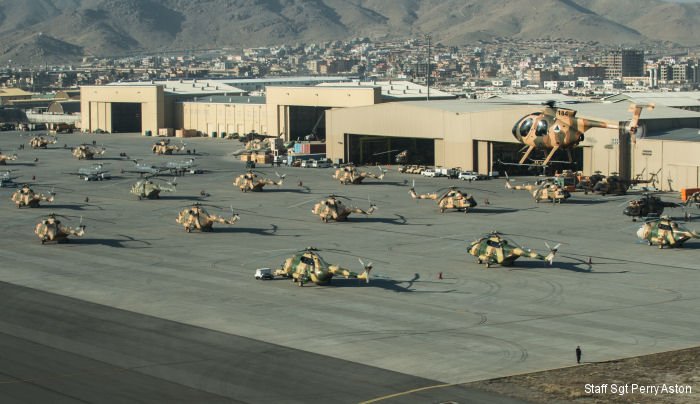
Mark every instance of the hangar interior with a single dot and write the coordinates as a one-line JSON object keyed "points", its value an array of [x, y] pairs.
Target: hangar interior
{"points": [[126, 117], [307, 120], [368, 149]]}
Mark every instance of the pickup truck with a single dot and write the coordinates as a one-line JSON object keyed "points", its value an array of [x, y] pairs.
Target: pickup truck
{"points": [[321, 164], [263, 273], [470, 176]]}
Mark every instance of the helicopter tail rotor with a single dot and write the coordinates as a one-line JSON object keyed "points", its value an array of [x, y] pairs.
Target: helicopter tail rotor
{"points": [[552, 252], [367, 268], [508, 186], [633, 126]]}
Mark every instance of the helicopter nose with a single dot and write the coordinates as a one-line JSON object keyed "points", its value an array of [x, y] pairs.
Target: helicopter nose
{"points": [[640, 233], [516, 135]]}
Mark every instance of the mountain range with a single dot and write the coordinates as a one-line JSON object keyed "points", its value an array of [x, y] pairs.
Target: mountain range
{"points": [[57, 31]]}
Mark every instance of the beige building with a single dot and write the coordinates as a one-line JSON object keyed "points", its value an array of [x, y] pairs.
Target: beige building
{"points": [[360, 123], [477, 135], [7, 95], [291, 112], [117, 109]]}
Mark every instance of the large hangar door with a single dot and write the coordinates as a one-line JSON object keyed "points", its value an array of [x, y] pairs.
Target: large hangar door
{"points": [[304, 121], [369, 149], [126, 117]]}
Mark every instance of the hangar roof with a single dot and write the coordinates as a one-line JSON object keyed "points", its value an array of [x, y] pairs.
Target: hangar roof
{"points": [[535, 98], [226, 99], [682, 134], [393, 89], [668, 98], [187, 87], [596, 110]]}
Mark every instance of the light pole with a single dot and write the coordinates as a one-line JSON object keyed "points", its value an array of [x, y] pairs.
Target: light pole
{"points": [[427, 78]]}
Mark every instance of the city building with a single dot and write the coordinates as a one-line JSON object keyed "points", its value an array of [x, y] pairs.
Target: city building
{"points": [[624, 63]]}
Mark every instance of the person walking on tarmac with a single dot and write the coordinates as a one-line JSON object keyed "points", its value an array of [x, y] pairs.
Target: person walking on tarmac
{"points": [[578, 354]]}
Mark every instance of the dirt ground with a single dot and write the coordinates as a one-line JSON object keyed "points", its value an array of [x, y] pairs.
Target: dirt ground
{"points": [[566, 385]]}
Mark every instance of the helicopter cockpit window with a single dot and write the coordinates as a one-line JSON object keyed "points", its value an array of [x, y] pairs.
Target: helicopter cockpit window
{"points": [[494, 244], [664, 226], [308, 261], [525, 127], [541, 128]]}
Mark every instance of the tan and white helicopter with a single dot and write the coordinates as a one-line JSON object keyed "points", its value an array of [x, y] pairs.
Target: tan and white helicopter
{"points": [[40, 142], [163, 146], [50, 229], [308, 266], [197, 218], [545, 191], [453, 198], [4, 158], [351, 175], [87, 151], [333, 209], [25, 196], [249, 182], [150, 188]]}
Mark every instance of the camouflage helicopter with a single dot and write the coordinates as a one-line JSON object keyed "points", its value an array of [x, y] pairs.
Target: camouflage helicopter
{"points": [[51, 229], [163, 146], [4, 158], [182, 166], [556, 128], [400, 158], [493, 248], [26, 196], [250, 182], [255, 146], [93, 173], [452, 199], [332, 208], [197, 218], [87, 151], [542, 192], [647, 206], [614, 185], [351, 175], [694, 198], [665, 232], [307, 266], [149, 189], [39, 142]]}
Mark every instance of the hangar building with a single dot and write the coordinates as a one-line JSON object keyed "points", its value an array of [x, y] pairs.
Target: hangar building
{"points": [[369, 122], [476, 135]]}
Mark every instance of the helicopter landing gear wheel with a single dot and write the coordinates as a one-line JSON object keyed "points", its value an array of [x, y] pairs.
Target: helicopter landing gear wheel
{"points": [[488, 265], [442, 210], [187, 229], [43, 241]]}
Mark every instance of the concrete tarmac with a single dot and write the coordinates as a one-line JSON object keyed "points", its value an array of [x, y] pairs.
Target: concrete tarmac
{"points": [[474, 324], [61, 350]]}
